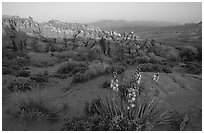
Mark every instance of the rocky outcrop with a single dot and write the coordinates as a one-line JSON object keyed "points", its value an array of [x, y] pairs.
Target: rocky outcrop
{"points": [[27, 25], [57, 29], [56, 36], [51, 29]]}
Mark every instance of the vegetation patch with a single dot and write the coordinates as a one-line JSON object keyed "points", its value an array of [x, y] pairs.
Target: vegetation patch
{"points": [[35, 105]]}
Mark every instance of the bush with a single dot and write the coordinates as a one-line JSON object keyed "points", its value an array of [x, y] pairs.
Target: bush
{"points": [[142, 60], [13, 65], [79, 77], [97, 67], [35, 105], [193, 68], [119, 68], [89, 55], [23, 73], [106, 84], [61, 76], [7, 71], [77, 124], [10, 55], [188, 53], [94, 69], [168, 52], [79, 69], [40, 77], [155, 68], [21, 84], [71, 66], [42, 59]]}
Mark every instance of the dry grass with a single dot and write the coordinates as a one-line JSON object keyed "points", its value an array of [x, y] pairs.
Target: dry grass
{"points": [[35, 105]]}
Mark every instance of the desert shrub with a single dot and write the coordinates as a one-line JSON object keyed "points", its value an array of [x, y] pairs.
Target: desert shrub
{"points": [[112, 115], [141, 53], [193, 68], [94, 69], [118, 53], [98, 67], [71, 66], [155, 68], [89, 55], [106, 84], [42, 59], [79, 69], [35, 105], [11, 55], [22, 61], [142, 60], [199, 55], [79, 77], [13, 65], [23, 73], [7, 71], [167, 70], [77, 124], [62, 56], [188, 53], [92, 55], [118, 67], [61, 76], [167, 52], [21, 84], [156, 59], [80, 55], [40, 77]]}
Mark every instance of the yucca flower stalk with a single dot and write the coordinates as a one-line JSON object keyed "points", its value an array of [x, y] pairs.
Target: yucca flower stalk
{"points": [[156, 77], [115, 82]]}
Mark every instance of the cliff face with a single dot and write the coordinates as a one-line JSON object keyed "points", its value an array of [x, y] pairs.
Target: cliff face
{"points": [[27, 25]]}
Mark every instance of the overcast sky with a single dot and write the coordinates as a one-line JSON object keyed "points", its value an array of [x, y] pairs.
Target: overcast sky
{"points": [[90, 12]]}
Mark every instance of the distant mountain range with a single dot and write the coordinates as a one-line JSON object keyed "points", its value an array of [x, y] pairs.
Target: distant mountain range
{"points": [[115, 24]]}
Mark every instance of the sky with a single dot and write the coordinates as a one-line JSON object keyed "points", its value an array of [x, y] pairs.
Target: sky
{"points": [[79, 12]]}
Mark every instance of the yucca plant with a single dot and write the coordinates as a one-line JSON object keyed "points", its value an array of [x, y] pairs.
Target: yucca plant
{"points": [[35, 105], [148, 112]]}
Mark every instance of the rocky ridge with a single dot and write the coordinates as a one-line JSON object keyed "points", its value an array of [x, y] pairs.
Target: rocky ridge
{"points": [[57, 29]]}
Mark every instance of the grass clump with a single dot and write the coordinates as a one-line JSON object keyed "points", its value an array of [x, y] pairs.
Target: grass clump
{"points": [[35, 105]]}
